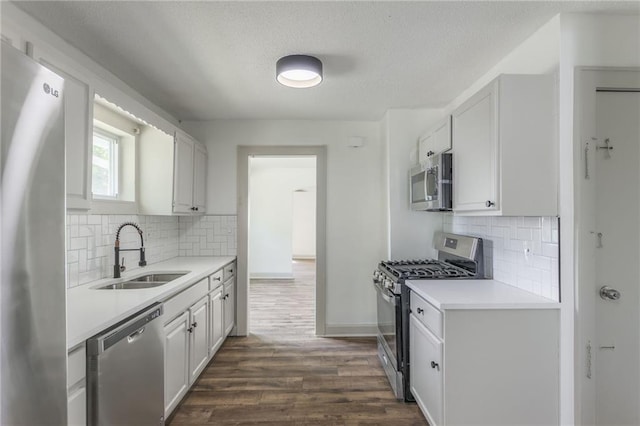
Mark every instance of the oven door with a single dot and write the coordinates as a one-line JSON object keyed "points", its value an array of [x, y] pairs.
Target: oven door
{"points": [[389, 322]]}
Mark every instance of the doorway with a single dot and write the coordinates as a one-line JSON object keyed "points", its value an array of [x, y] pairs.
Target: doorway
{"points": [[282, 244], [268, 252], [609, 250]]}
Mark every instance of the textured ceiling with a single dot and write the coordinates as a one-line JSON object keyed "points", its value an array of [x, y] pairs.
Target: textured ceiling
{"points": [[216, 60]]}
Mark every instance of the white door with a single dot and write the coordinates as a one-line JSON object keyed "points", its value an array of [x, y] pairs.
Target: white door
{"points": [[199, 346], [617, 174], [176, 361], [216, 326], [426, 370], [199, 178], [183, 174], [229, 306]]}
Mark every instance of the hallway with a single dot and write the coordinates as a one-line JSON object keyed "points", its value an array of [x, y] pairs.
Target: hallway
{"points": [[283, 375]]}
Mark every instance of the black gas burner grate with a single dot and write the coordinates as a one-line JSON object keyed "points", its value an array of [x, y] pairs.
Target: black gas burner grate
{"points": [[424, 269]]}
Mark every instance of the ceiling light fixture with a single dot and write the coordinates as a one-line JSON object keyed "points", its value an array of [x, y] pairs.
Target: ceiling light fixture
{"points": [[299, 71]]}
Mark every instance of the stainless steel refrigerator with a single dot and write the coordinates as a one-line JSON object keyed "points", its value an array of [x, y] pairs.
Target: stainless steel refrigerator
{"points": [[32, 297]]}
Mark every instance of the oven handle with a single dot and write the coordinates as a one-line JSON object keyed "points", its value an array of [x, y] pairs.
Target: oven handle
{"points": [[384, 294]]}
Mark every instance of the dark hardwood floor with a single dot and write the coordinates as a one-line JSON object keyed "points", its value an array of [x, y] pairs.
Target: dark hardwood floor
{"points": [[281, 374]]}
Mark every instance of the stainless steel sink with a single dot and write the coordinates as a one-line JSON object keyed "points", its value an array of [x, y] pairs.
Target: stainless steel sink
{"points": [[159, 277], [144, 281]]}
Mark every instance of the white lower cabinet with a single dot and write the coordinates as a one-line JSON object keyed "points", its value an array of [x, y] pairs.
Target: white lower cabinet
{"points": [[200, 317], [229, 305], [426, 373], [216, 315], [199, 338], [176, 359], [489, 366], [77, 386]]}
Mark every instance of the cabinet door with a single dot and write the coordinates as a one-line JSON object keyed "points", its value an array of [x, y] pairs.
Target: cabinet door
{"points": [[77, 407], [176, 361], [199, 345], [425, 148], [426, 371], [441, 139], [229, 306], [216, 325], [183, 174], [200, 179], [475, 153], [78, 128]]}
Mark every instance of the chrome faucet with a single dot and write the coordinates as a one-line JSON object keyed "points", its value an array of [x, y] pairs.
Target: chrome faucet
{"points": [[117, 268]]}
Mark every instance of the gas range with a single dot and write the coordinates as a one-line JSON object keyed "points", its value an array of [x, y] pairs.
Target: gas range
{"points": [[393, 273], [459, 257]]}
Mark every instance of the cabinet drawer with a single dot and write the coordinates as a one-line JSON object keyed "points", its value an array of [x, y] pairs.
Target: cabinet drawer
{"points": [[427, 314], [229, 270], [215, 279], [77, 407], [76, 365], [182, 301]]}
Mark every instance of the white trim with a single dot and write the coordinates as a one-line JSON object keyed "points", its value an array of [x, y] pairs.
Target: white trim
{"points": [[244, 152], [351, 330], [271, 276]]}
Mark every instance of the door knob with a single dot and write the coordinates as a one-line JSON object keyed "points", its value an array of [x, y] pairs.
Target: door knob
{"points": [[608, 293]]}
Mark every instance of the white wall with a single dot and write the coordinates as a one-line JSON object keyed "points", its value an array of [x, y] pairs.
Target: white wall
{"points": [[354, 199], [304, 224], [592, 41], [272, 182], [410, 232]]}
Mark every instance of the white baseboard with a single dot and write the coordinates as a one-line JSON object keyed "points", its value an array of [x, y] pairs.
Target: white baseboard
{"points": [[350, 330], [270, 276]]}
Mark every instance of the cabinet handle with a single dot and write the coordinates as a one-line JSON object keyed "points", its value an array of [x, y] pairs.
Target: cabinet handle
{"points": [[195, 324], [190, 329], [430, 153], [217, 278], [196, 208], [489, 203], [420, 311], [435, 365]]}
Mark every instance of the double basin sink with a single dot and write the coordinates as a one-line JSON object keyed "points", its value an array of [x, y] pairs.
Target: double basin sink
{"points": [[144, 281]]}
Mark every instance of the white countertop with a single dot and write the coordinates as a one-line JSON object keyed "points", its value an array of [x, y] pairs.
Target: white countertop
{"points": [[477, 294], [89, 311]]}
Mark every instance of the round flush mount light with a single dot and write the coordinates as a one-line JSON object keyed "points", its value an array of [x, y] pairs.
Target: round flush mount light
{"points": [[299, 71]]}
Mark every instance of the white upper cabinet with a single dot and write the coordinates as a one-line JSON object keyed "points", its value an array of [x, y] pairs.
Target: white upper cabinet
{"points": [[200, 178], [436, 140], [172, 174], [505, 150], [183, 172], [190, 165], [78, 116]]}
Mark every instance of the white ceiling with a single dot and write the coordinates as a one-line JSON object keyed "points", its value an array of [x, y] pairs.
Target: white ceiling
{"points": [[216, 60]]}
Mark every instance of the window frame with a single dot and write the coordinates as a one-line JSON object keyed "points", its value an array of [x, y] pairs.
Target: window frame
{"points": [[114, 162]]}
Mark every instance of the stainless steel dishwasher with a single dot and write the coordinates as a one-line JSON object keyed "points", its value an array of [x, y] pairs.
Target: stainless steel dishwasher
{"points": [[125, 372]]}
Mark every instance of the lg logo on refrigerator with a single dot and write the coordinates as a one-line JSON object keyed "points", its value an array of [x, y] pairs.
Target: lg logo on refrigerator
{"points": [[50, 91]]}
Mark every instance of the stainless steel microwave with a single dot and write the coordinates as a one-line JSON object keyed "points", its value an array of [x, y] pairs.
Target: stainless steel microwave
{"points": [[430, 184]]}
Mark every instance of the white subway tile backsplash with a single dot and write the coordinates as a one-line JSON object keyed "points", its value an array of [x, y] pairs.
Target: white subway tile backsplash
{"points": [[90, 240], [507, 240], [208, 235]]}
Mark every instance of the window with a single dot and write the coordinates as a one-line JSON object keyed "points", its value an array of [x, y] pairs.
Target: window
{"points": [[105, 164]]}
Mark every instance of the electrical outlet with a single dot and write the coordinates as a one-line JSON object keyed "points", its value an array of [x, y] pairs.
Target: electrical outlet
{"points": [[527, 250]]}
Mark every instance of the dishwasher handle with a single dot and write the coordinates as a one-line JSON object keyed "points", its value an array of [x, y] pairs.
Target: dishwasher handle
{"points": [[134, 336], [130, 329]]}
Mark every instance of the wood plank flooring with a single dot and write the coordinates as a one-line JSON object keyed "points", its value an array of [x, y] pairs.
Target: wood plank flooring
{"points": [[281, 374]]}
